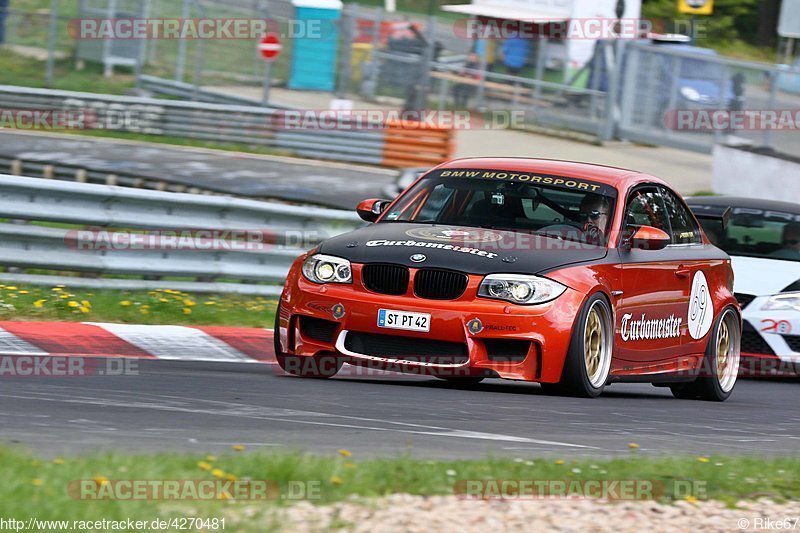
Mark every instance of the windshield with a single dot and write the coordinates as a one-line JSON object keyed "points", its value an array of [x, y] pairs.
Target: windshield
{"points": [[566, 208], [757, 233]]}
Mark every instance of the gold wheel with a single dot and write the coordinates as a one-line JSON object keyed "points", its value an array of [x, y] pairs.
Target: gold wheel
{"points": [[727, 351], [596, 346]]}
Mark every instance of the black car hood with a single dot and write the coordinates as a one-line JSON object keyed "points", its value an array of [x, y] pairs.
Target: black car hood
{"points": [[471, 250]]}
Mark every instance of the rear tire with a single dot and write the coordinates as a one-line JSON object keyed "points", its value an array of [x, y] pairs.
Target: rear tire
{"points": [[317, 366], [720, 363], [588, 361]]}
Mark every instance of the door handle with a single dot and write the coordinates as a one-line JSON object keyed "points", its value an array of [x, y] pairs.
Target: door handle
{"points": [[683, 272]]}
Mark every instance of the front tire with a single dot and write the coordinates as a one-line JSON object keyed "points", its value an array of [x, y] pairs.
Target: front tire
{"points": [[588, 361], [720, 364]]}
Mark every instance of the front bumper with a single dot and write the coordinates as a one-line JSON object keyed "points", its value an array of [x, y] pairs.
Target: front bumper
{"points": [[352, 309], [772, 337]]}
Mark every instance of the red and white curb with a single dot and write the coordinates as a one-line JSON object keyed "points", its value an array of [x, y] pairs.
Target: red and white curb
{"points": [[85, 339]]}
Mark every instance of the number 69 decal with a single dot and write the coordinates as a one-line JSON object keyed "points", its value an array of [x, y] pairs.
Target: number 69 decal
{"points": [[701, 308]]}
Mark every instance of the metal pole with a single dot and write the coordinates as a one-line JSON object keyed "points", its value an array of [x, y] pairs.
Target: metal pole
{"points": [[108, 43], [267, 83], [370, 85], [422, 93], [479, 98], [181, 61], [199, 59], [51, 43], [142, 53], [347, 47]]}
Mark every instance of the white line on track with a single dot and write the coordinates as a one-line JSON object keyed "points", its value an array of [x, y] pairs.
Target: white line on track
{"points": [[167, 403]]}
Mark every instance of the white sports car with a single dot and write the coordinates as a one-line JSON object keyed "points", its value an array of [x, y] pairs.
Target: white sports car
{"points": [[763, 239]]}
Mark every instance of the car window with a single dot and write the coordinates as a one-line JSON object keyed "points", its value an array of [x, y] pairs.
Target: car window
{"points": [[568, 208], [646, 208], [684, 228], [752, 232]]}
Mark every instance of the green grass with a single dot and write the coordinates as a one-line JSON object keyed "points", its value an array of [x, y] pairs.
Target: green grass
{"points": [[27, 302], [181, 141], [16, 69], [38, 487]]}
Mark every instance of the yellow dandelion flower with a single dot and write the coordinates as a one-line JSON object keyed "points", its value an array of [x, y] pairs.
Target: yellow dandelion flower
{"points": [[633, 446], [36, 482], [231, 477], [188, 303], [238, 447], [84, 309], [125, 303], [210, 303], [56, 289], [187, 311], [11, 288], [336, 480], [86, 303], [691, 499], [703, 459], [23, 292], [100, 480], [218, 473], [202, 465], [559, 461], [39, 303], [345, 453], [73, 303], [163, 300], [64, 296]]}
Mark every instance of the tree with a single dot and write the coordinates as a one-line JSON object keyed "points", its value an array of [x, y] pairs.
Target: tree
{"points": [[732, 19]]}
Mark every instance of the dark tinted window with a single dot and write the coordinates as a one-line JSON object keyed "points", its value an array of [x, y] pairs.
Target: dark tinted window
{"points": [[646, 208], [684, 228]]}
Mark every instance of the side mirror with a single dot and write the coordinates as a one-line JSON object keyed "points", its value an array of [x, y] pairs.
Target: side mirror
{"points": [[371, 209], [647, 238]]}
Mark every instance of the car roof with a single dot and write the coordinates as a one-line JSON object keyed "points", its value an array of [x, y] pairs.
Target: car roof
{"points": [[621, 178], [748, 203]]}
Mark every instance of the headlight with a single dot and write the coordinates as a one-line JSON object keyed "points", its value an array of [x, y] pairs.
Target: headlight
{"points": [[788, 301], [520, 289], [693, 95], [321, 268]]}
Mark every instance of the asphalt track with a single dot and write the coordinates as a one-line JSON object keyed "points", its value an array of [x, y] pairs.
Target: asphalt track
{"points": [[320, 182], [207, 407]]}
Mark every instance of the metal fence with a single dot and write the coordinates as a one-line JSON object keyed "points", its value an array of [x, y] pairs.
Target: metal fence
{"points": [[206, 121], [657, 82], [44, 216], [626, 100]]}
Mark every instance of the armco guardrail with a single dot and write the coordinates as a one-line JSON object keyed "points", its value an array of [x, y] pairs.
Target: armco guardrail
{"points": [[285, 231], [342, 140]]}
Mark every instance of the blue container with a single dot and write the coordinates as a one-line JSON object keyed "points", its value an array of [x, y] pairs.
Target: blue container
{"points": [[313, 64]]}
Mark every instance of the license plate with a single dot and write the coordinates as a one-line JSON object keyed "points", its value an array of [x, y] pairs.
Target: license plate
{"points": [[404, 320]]}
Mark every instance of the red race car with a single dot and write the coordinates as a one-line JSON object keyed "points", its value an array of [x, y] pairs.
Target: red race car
{"points": [[568, 274]]}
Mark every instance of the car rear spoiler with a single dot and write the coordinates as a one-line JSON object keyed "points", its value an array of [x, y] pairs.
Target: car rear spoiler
{"points": [[717, 213]]}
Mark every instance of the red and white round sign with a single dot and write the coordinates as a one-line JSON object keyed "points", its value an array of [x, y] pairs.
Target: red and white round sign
{"points": [[270, 46]]}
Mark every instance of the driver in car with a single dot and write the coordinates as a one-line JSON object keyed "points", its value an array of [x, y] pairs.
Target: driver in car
{"points": [[790, 243], [594, 211]]}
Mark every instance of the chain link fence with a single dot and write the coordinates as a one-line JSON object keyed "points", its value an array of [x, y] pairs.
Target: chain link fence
{"points": [[629, 90]]}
